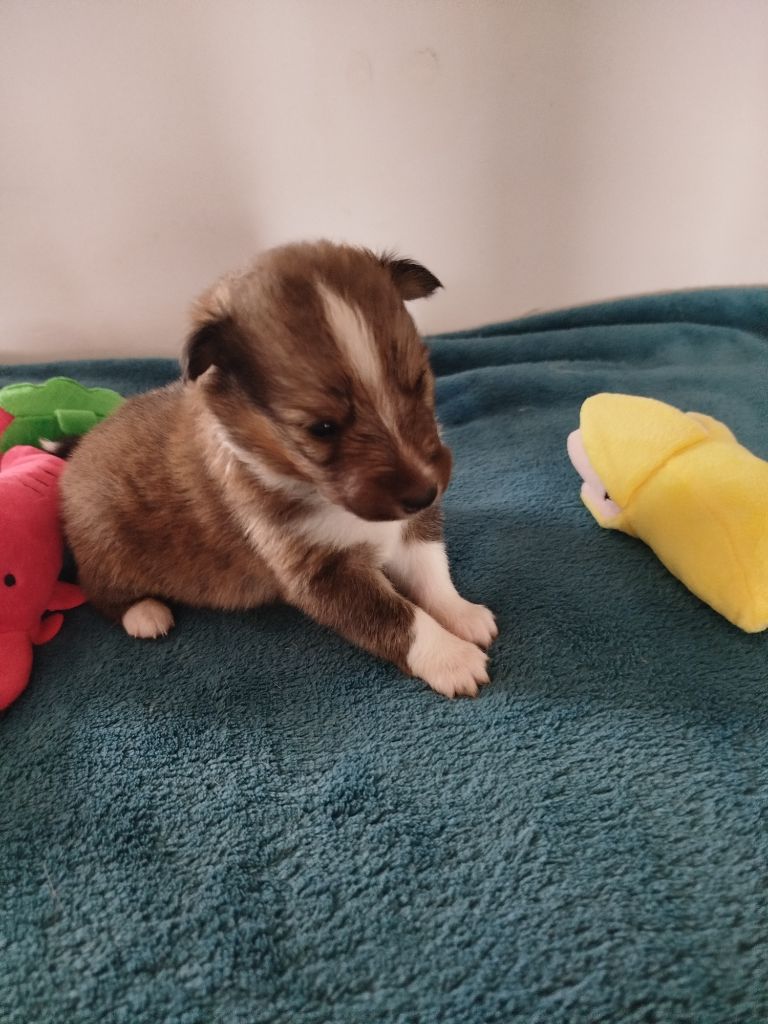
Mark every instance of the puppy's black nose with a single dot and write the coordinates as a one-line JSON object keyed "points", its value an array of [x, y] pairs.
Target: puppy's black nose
{"points": [[418, 500]]}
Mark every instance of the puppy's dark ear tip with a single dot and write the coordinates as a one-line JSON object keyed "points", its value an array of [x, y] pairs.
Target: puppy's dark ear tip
{"points": [[212, 331], [413, 280], [199, 352], [215, 343]]}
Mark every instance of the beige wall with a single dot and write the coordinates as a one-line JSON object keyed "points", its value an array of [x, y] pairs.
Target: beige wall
{"points": [[533, 153]]}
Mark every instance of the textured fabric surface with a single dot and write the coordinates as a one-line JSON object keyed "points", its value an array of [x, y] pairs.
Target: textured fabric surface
{"points": [[251, 821]]}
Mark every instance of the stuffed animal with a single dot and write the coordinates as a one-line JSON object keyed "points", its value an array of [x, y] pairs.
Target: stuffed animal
{"points": [[58, 408], [31, 542], [31, 553], [682, 483]]}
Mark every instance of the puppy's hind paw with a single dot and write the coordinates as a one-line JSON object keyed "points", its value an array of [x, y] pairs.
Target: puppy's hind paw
{"points": [[148, 619]]}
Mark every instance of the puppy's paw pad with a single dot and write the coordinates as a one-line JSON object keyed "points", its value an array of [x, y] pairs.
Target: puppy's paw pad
{"points": [[450, 665], [473, 622], [148, 619]]}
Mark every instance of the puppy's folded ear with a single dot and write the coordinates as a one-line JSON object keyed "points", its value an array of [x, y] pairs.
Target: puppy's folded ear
{"points": [[413, 281], [214, 343], [215, 339]]}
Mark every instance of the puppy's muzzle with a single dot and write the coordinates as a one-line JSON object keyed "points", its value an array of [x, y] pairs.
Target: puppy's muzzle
{"points": [[417, 500]]}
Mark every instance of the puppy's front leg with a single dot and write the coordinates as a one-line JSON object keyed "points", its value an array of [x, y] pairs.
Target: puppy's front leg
{"points": [[345, 592], [419, 568]]}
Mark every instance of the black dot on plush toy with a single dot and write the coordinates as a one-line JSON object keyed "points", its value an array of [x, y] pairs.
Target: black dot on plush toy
{"points": [[10, 580]]}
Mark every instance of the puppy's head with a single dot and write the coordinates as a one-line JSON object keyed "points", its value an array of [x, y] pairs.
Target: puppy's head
{"points": [[313, 366]]}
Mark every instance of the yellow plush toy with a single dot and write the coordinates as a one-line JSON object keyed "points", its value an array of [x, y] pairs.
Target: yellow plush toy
{"points": [[682, 483]]}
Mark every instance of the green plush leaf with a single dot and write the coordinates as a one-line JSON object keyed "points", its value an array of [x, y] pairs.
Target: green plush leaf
{"points": [[75, 421], [29, 430], [57, 408]]}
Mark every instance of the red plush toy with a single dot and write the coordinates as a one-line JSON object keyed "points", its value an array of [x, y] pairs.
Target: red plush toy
{"points": [[31, 555]]}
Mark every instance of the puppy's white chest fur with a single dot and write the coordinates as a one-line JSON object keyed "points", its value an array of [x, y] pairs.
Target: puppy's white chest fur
{"points": [[327, 524], [339, 528]]}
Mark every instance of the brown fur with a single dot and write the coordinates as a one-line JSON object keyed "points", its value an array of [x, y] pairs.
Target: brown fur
{"points": [[267, 333], [153, 507]]}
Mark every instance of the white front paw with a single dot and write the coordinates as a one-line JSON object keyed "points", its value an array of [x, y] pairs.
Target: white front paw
{"points": [[473, 622], [450, 665]]}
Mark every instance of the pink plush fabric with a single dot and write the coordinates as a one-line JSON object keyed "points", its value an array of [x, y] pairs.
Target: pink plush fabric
{"points": [[31, 551]]}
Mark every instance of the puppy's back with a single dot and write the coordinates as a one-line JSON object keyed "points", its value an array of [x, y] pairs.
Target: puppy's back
{"points": [[122, 459]]}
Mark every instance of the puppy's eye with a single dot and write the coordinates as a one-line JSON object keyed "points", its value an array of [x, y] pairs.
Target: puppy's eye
{"points": [[324, 429], [10, 580]]}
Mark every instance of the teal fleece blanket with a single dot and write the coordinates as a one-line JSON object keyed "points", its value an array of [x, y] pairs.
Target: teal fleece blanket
{"points": [[252, 821]]}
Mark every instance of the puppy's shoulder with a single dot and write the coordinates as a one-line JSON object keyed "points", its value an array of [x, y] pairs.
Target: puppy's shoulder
{"points": [[135, 432], [141, 419]]}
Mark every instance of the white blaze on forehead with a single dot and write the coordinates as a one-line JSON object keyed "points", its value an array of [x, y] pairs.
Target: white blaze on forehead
{"points": [[353, 335]]}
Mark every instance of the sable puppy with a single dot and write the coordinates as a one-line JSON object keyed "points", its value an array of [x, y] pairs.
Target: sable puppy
{"points": [[298, 459]]}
